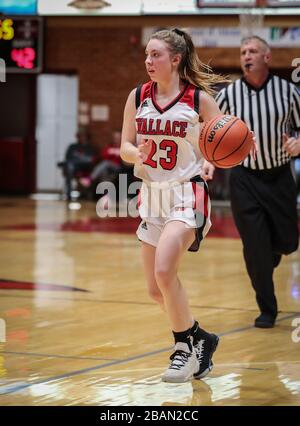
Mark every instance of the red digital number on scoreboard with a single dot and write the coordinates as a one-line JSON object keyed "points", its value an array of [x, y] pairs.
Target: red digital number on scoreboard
{"points": [[24, 58]]}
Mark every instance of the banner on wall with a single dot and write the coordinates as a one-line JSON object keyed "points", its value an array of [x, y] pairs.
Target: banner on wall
{"points": [[231, 36], [18, 7], [215, 7], [150, 7], [169, 7], [89, 7]]}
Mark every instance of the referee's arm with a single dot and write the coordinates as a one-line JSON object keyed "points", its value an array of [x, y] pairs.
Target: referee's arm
{"points": [[295, 114], [292, 144]]}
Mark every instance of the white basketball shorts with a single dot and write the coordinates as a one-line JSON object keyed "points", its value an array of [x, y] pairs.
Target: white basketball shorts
{"points": [[160, 203]]}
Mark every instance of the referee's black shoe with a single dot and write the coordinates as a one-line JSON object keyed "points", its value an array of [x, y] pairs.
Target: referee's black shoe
{"points": [[265, 321]]}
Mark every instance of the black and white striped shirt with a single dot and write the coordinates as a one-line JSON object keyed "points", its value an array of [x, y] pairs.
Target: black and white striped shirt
{"points": [[269, 111]]}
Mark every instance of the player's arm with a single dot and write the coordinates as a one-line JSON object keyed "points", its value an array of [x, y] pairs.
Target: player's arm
{"points": [[129, 150], [221, 100], [208, 107], [292, 144], [208, 110]]}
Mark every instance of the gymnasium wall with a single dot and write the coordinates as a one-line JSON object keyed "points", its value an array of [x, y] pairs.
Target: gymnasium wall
{"points": [[109, 59]]}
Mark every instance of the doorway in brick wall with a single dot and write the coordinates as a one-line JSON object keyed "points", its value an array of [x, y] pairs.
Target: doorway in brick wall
{"points": [[57, 123]]}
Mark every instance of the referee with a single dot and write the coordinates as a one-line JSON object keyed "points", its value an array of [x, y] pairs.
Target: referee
{"points": [[262, 190]]}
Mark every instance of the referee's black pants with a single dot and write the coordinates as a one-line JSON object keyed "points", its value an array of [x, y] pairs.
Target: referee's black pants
{"points": [[265, 212]]}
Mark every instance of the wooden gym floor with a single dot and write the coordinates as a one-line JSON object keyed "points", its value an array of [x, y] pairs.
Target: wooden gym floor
{"points": [[81, 329]]}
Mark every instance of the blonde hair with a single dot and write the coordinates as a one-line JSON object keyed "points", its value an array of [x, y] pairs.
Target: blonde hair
{"points": [[191, 68]]}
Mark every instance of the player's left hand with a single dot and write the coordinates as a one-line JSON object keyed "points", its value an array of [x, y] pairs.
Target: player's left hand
{"points": [[291, 145], [207, 171]]}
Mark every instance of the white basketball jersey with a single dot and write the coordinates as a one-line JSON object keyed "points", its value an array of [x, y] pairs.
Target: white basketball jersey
{"points": [[174, 132]]}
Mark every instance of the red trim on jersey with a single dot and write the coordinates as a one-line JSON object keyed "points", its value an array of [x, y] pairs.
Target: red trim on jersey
{"points": [[170, 104], [189, 96], [201, 199], [146, 91]]}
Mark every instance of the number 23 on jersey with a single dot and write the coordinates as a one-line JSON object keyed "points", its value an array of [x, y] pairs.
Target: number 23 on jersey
{"points": [[168, 162]]}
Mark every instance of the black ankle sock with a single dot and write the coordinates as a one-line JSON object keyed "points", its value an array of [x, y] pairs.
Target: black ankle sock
{"points": [[198, 333], [184, 337]]}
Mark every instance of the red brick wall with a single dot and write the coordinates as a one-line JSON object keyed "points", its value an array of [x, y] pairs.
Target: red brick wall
{"points": [[109, 63]]}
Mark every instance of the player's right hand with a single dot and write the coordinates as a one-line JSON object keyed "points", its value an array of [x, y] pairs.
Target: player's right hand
{"points": [[144, 149]]}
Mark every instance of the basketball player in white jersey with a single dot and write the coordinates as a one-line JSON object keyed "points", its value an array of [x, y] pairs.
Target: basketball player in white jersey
{"points": [[160, 133]]}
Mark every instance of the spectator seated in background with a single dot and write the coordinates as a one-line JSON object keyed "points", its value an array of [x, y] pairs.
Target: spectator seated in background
{"points": [[79, 160], [110, 167]]}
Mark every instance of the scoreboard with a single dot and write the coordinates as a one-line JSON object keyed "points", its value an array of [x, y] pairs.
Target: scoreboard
{"points": [[21, 44]]}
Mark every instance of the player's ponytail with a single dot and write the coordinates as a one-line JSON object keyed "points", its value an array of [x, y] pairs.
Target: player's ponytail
{"points": [[190, 69]]}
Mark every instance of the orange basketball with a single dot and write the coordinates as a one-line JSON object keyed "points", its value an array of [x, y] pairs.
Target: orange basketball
{"points": [[225, 141]]}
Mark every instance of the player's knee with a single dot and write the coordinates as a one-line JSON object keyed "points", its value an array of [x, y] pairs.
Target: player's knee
{"points": [[164, 277]]}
